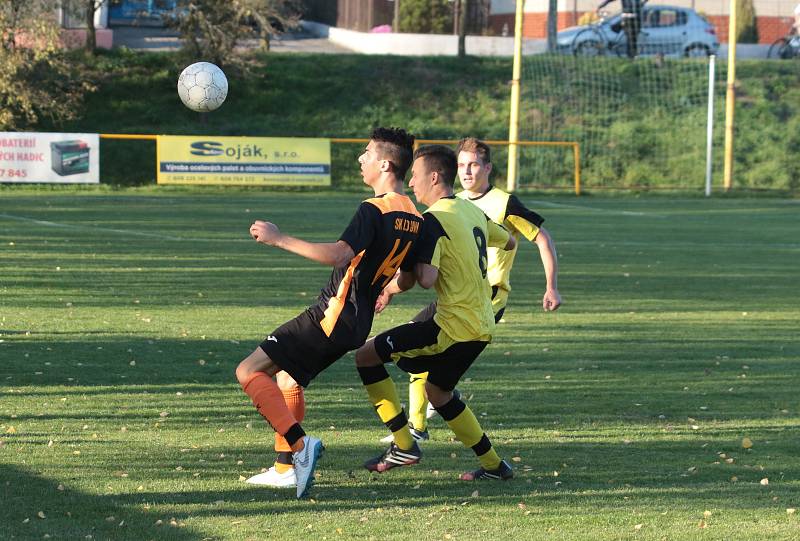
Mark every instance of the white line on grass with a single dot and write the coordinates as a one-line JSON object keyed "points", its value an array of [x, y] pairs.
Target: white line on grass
{"points": [[88, 228], [680, 245], [595, 209]]}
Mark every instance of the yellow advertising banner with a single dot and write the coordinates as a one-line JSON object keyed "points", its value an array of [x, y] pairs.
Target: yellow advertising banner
{"points": [[267, 161]]}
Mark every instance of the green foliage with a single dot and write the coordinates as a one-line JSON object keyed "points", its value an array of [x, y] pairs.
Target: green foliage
{"points": [[746, 25], [426, 16], [37, 80], [211, 29]]}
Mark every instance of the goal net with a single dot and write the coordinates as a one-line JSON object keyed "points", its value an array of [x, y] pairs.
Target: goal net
{"points": [[640, 124]]}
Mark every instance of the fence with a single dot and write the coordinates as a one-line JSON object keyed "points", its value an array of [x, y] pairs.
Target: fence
{"points": [[118, 171]]}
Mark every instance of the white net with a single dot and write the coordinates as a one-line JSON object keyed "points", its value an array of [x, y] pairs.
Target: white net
{"points": [[640, 123]]}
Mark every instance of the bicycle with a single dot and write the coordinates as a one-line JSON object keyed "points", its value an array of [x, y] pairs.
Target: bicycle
{"points": [[593, 41], [785, 48]]}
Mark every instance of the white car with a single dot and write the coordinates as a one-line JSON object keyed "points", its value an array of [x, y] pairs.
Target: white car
{"points": [[666, 30]]}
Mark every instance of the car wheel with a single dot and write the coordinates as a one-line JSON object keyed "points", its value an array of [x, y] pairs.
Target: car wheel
{"points": [[697, 51], [780, 49]]}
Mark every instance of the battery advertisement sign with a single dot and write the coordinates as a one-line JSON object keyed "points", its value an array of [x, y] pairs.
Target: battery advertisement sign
{"points": [[55, 158], [268, 161]]}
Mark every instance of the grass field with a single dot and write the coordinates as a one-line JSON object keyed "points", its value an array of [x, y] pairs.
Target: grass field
{"points": [[123, 314]]}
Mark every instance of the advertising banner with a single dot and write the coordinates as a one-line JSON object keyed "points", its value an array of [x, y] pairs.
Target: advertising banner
{"points": [[268, 161], [56, 158]]}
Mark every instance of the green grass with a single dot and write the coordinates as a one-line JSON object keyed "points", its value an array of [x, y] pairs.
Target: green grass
{"points": [[124, 313]]}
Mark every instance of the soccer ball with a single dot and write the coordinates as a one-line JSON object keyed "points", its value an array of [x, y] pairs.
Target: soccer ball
{"points": [[202, 87]]}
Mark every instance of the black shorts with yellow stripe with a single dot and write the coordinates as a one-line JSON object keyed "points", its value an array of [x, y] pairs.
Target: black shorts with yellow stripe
{"points": [[418, 347], [301, 349]]}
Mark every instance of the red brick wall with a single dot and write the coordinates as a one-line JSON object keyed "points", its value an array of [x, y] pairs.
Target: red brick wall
{"points": [[534, 25]]}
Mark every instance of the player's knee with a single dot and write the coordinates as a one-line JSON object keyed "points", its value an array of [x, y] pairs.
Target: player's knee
{"points": [[243, 372], [367, 356], [285, 381], [436, 395]]}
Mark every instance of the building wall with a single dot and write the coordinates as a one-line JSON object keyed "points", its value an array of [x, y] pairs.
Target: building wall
{"points": [[774, 17]]}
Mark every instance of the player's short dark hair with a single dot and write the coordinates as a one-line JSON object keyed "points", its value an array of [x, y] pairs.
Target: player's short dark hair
{"points": [[396, 146], [472, 144], [440, 159]]}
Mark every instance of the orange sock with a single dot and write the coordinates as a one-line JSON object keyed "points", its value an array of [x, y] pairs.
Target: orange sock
{"points": [[269, 401], [296, 402]]}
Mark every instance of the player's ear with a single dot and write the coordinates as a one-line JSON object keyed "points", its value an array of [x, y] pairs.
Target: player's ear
{"points": [[386, 166], [488, 167]]}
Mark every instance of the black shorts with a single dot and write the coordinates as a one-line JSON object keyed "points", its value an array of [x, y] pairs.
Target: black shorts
{"points": [[301, 348], [419, 347]]}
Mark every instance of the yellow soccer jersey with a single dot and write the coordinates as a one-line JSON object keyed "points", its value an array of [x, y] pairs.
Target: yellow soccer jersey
{"points": [[505, 209], [455, 238]]}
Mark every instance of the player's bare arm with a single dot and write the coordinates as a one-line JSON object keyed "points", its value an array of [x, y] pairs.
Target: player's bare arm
{"points": [[334, 254], [426, 275], [402, 281], [547, 251]]}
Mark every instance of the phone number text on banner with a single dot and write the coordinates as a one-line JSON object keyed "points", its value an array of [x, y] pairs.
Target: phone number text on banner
{"points": [[273, 161]]}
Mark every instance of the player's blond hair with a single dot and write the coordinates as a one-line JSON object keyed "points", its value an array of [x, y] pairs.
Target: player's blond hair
{"points": [[472, 144]]}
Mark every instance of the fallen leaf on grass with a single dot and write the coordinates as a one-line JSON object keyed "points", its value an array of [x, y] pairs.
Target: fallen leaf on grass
{"points": [[41, 514], [764, 482], [475, 494], [702, 524], [791, 511], [747, 443], [638, 527], [707, 514]]}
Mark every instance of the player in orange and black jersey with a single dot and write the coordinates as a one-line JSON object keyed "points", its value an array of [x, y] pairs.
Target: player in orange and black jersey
{"points": [[365, 258]]}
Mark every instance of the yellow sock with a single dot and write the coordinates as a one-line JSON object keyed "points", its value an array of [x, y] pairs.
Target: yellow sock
{"points": [[465, 426], [383, 395], [283, 468], [417, 401]]}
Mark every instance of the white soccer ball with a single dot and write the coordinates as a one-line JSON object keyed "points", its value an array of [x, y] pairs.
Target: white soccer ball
{"points": [[202, 87]]}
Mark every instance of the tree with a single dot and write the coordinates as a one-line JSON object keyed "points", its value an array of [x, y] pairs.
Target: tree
{"points": [[426, 16], [462, 28], [35, 79], [746, 27], [212, 29], [85, 9]]}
